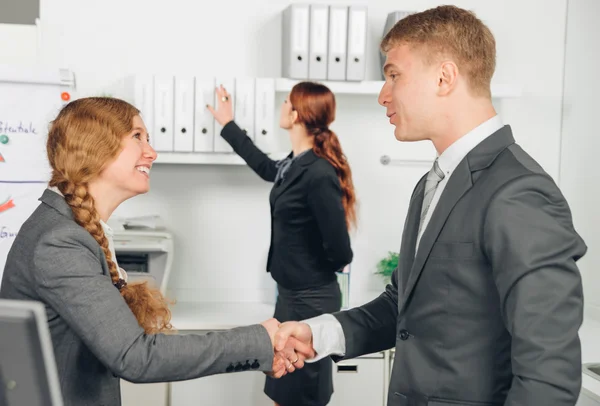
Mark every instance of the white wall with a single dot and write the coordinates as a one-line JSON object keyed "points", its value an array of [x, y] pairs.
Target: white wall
{"points": [[579, 171], [220, 214]]}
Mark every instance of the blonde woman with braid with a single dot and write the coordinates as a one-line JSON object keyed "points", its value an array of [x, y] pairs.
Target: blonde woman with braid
{"points": [[102, 327]]}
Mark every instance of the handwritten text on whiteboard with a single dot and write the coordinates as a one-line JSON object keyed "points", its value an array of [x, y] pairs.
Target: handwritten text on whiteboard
{"points": [[20, 127]]}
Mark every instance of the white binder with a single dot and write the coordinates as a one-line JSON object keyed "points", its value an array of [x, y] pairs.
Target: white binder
{"points": [[220, 145], [338, 31], [139, 91], [265, 109], [163, 113], [204, 122], [319, 31], [184, 115], [244, 105], [294, 43], [357, 43], [391, 20]]}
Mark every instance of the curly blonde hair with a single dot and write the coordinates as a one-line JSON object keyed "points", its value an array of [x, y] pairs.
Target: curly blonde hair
{"points": [[84, 137]]}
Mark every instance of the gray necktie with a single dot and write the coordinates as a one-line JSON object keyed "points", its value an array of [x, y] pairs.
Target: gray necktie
{"points": [[434, 177]]}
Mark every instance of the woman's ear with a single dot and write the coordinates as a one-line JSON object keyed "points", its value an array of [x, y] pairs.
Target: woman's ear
{"points": [[294, 116]]}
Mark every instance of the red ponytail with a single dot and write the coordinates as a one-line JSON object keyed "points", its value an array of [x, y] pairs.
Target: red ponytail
{"points": [[315, 105], [327, 145]]}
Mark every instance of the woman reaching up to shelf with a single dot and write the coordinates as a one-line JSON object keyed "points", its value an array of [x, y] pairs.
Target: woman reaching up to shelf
{"points": [[312, 209]]}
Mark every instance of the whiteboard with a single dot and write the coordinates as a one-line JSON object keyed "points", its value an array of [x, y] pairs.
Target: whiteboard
{"points": [[17, 202], [30, 98]]}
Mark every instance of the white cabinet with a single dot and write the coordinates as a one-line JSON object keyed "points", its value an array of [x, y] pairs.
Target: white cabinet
{"points": [[359, 381], [147, 394], [356, 382], [238, 388]]}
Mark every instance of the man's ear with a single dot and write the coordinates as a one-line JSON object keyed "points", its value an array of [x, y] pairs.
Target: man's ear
{"points": [[447, 77]]}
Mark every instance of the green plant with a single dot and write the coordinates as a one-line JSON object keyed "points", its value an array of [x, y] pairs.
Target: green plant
{"points": [[386, 266]]}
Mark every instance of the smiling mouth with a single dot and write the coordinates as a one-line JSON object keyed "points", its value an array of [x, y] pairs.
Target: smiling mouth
{"points": [[145, 170]]}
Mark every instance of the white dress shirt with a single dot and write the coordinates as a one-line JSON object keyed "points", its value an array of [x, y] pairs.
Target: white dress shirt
{"points": [[328, 335], [108, 232]]}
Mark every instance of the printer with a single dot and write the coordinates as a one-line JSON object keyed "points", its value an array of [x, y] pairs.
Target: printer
{"points": [[145, 255]]}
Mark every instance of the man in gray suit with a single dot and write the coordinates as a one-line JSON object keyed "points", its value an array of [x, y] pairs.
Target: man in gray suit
{"points": [[485, 305]]}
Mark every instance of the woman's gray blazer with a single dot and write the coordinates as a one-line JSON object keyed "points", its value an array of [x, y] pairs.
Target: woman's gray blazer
{"points": [[95, 336]]}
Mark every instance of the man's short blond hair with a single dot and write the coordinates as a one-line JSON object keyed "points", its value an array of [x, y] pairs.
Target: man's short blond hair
{"points": [[449, 32]]}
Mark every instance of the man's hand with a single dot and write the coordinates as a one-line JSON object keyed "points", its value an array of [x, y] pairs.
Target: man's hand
{"points": [[292, 342], [296, 334]]}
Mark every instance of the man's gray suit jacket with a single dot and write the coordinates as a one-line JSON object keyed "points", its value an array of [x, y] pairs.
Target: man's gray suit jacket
{"points": [[488, 310]]}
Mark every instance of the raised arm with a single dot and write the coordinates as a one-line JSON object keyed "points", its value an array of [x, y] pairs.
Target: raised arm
{"points": [[257, 160]]}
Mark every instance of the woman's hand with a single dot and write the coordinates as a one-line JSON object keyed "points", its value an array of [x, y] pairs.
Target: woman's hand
{"points": [[224, 111]]}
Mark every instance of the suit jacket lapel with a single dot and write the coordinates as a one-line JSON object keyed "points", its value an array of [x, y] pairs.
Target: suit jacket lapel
{"points": [[481, 157], [57, 202], [458, 184], [296, 169], [292, 174], [409, 235]]}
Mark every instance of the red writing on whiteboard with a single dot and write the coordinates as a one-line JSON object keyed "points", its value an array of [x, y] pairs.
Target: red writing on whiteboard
{"points": [[9, 204]]}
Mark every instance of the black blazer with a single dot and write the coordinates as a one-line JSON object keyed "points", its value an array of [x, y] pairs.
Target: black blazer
{"points": [[309, 237]]}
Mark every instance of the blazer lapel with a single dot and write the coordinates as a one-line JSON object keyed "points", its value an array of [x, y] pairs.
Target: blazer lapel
{"points": [[57, 202], [480, 158], [296, 169], [458, 184], [292, 174], [409, 235]]}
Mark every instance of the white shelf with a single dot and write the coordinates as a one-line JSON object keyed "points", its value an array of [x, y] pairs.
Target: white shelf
{"points": [[367, 87], [206, 158], [364, 87], [37, 75], [373, 87]]}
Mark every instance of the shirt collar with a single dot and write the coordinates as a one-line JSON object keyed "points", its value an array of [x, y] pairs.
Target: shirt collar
{"points": [[55, 190], [451, 157], [107, 230], [300, 154]]}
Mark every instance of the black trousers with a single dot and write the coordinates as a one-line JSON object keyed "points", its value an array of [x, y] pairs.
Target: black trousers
{"points": [[311, 385]]}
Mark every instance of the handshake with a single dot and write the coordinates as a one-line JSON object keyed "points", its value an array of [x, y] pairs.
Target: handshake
{"points": [[292, 344]]}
